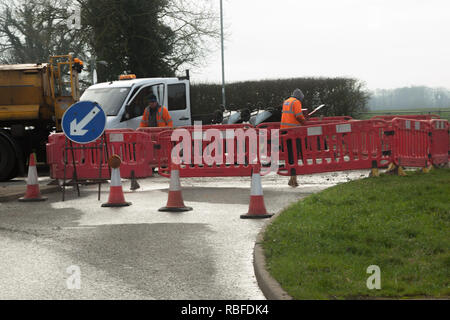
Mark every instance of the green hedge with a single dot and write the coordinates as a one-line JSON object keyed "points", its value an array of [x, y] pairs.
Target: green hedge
{"points": [[344, 96]]}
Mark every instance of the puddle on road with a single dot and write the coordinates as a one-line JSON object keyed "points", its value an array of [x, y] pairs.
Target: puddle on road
{"points": [[274, 180]]}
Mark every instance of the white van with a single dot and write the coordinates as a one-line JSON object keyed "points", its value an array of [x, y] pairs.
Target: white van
{"points": [[124, 101]]}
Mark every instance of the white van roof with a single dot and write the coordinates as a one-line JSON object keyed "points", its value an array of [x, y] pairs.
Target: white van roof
{"points": [[133, 82]]}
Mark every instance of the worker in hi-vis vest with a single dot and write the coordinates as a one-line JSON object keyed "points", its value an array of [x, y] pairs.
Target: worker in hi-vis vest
{"points": [[156, 115], [292, 111], [292, 116]]}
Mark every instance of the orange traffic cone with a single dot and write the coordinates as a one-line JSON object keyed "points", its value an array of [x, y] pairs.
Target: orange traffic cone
{"points": [[33, 193], [257, 208], [116, 197], [175, 201]]}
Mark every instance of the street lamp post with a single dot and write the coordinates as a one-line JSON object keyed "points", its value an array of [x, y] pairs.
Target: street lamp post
{"points": [[223, 56], [94, 63]]}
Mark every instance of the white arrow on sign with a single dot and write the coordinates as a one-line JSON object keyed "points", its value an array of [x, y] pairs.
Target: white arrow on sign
{"points": [[77, 129]]}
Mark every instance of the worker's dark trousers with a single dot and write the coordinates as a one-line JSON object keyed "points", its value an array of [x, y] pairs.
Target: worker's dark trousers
{"points": [[290, 150]]}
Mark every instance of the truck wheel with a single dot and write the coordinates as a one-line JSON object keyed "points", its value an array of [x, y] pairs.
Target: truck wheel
{"points": [[8, 161]]}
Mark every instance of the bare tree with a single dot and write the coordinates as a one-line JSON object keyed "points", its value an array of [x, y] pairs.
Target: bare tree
{"points": [[146, 37], [195, 25], [33, 30]]}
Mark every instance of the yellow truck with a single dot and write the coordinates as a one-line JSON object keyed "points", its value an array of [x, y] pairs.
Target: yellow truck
{"points": [[33, 99]]}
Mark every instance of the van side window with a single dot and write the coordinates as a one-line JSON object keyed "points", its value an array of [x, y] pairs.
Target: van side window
{"points": [[140, 102], [133, 92], [177, 96]]}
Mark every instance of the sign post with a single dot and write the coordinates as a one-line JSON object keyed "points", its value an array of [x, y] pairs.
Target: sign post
{"points": [[83, 123]]}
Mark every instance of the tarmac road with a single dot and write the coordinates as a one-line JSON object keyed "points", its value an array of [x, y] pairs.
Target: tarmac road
{"points": [[138, 252]]}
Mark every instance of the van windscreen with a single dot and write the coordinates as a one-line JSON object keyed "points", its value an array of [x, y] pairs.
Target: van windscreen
{"points": [[110, 99]]}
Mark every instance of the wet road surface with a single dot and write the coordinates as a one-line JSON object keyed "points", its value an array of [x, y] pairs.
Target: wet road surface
{"points": [[138, 252]]}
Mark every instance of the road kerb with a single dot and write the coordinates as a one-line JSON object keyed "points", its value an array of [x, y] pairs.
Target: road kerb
{"points": [[268, 285]]}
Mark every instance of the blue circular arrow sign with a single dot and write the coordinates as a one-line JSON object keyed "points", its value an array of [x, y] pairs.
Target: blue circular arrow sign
{"points": [[84, 122]]}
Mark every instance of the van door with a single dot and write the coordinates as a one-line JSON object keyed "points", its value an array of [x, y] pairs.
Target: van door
{"points": [[178, 104], [135, 109]]}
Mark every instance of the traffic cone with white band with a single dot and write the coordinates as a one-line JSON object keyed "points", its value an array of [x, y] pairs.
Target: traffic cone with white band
{"points": [[257, 208], [175, 201], [116, 197], [33, 193]]}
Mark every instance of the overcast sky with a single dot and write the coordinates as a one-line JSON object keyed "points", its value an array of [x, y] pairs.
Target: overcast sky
{"points": [[385, 43]]}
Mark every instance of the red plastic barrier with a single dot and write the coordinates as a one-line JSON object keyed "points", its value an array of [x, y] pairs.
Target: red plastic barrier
{"points": [[331, 119], [269, 125], [411, 142], [135, 149], [330, 147], [158, 153], [308, 122], [410, 116], [153, 131], [440, 142], [325, 146], [221, 126], [202, 157], [162, 153], [386, 134]]}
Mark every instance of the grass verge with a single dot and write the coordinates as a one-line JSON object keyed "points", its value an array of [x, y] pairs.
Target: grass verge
{"points": [[321, 247]]}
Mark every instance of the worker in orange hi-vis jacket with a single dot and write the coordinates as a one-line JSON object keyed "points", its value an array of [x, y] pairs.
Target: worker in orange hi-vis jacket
{"points": [[156, 115], [292, 116], [292, 111]]}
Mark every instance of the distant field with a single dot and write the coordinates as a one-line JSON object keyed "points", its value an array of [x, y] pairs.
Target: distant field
{"points": [[443, 113]]}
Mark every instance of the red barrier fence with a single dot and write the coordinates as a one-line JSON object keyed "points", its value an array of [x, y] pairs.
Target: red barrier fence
{"points": [[386, 134], [330, 147], [308, 122], [325, 145], [159, 155], [221, 127], [212, 151], [411, 117], [440, 142], [330, 119], [135, 149], [411, 143]]}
